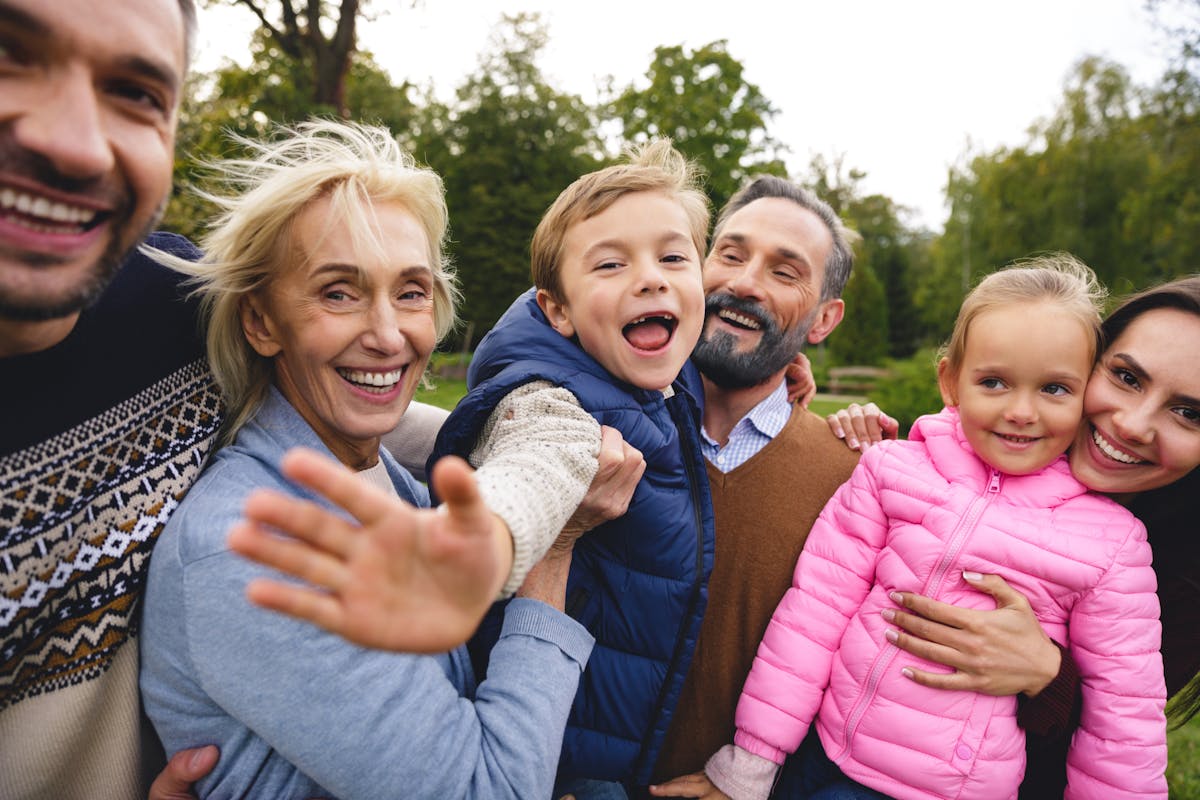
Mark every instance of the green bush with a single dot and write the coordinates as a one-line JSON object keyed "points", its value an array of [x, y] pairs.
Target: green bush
{"points": [[912, 390]]}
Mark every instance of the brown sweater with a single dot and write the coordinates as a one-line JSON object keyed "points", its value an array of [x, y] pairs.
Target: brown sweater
{"points": [[764, 510]]}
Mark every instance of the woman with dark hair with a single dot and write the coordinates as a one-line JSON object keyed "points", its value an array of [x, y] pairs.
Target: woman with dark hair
{"points": [[1139, 443]]}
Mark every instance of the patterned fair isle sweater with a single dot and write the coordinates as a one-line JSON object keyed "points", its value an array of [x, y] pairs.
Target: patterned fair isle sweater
{"points": [[102, 435]]}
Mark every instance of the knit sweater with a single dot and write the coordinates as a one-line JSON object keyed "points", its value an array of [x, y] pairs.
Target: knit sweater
{"points": [[763, 509], [105, 432]]}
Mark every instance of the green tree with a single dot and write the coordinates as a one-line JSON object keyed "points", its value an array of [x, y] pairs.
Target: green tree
{"points": [[702, 101], [246, 101], [506, 146], [318, 34]]}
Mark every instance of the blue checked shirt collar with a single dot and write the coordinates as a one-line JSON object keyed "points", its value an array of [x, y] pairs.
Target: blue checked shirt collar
{"points": [[752, 433]]}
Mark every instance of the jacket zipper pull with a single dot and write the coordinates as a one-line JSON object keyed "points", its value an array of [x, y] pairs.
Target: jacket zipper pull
{"points": [[994, 485]]}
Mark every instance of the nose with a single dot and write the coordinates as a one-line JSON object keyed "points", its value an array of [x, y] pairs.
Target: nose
{"points": [[383, 335], [66, 126], [744, 282], [651, 279], [1021, 409], [1134, 423]]}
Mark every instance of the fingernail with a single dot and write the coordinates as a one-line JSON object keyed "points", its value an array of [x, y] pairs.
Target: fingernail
{"points": [[853, 443], [896, 597], [888, 614], [906, 672], [891, 635], [971, 576]]}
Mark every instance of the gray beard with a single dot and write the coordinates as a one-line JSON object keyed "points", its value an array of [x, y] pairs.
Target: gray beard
{"points": [[718, 360]]}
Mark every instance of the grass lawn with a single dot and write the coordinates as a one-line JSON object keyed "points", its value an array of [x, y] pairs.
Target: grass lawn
{"points": [[1183, 766]]}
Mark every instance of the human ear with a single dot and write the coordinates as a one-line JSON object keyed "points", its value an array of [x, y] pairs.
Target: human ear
{"points": [[556, 313], [258, 327], [829, 316], [946, 383]]}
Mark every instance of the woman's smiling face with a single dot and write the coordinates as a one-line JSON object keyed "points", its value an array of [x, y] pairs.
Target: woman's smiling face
{"points": [[1141, 409]]}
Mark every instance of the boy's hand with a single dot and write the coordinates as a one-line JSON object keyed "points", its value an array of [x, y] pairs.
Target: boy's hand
{"points": [[695, 785], [403, 578], [621, 467]]}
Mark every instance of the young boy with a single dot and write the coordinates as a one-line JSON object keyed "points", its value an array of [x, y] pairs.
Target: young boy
{"points": [[602, 339]]}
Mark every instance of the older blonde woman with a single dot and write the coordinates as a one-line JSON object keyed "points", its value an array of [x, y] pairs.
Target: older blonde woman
{"points": [[326, 290]]}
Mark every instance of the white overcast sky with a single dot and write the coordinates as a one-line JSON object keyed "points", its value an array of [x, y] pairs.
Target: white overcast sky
{"points": [[897, 87]]}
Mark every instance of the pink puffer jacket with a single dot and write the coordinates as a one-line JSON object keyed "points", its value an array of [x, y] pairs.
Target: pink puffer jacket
{"points": [[912, 517]]}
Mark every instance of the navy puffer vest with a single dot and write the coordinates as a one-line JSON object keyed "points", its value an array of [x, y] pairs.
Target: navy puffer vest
{"points": [[638, 583]]}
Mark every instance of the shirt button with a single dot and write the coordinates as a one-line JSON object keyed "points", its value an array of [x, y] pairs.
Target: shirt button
{"points": [[963, 752]]}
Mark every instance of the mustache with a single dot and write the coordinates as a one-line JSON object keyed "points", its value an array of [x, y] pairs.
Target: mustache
{"points": [[17, 161], [721, 301]]}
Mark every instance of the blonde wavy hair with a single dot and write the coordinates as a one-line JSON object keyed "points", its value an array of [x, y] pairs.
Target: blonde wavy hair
{"points": [[353, 167], [653, 167], [1058, 278]]}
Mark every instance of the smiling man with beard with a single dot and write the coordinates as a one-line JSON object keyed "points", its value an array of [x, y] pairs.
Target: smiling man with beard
{"points": [[773, 279], [108, 405]]}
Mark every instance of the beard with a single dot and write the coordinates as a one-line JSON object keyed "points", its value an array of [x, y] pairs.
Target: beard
{"points": [[123, 237], [716, 354]]}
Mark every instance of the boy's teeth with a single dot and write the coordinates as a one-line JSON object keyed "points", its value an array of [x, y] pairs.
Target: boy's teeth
{"points": [[45, 209], [380, 379], [1112, 452]]}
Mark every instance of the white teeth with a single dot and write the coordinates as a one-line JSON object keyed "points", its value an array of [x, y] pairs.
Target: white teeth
{"points": [[43, 208], [740, 319], [640, 320], [382, 380], [1112, 452]]}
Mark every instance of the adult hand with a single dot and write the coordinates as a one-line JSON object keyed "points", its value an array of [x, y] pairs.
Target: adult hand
{"points": [[999, 652], [801, 387], [402, 578], [185, 768], [695, 785], [862, 426], [621, 467]]}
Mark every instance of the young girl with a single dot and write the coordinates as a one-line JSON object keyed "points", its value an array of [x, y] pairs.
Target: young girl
{"points": [[981, 487]]}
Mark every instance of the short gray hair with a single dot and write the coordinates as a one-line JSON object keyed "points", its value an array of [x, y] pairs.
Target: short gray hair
{"points": [[841, 255]]}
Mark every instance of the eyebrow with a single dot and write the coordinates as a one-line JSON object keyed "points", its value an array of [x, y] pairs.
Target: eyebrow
{"points": [[621, 244], [23, 19], [154, 70], [1137, 369], [338, 268], [786, 253]]}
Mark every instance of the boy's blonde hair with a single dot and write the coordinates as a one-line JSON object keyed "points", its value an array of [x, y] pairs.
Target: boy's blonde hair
{"points": [[1058, 278], [653, 167], [353, 167]]}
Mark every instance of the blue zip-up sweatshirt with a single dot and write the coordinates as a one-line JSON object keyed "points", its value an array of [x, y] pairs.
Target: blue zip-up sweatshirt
{"points": [[638, 583]]}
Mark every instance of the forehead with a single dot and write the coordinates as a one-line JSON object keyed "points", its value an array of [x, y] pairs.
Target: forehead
{"points": [[1164, 341], [104, 31], [362, 233], [1037, 335], [780, 225]]}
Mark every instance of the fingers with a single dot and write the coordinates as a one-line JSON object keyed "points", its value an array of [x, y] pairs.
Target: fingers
{"points": [[299, 519], [320, 609], [695, 785], [957, 681], [841, 422], [336, 483], [931, 610], [296, 558], [185, 768], [997, 587], [454, 481]]}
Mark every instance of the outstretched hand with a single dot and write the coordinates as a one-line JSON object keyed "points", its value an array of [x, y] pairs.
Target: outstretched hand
{"points": [[862, 426], [400, 578], [999, 652]]}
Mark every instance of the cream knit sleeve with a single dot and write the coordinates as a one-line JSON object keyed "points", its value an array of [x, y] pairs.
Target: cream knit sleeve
{"points": [[536, 457]]}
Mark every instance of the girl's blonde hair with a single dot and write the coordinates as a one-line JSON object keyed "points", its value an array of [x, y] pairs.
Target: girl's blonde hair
{"points": [[1057, 278], [353, 167]]}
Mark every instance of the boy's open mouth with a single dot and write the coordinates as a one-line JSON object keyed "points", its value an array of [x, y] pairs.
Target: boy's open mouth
{"points": [[651, 332]]}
